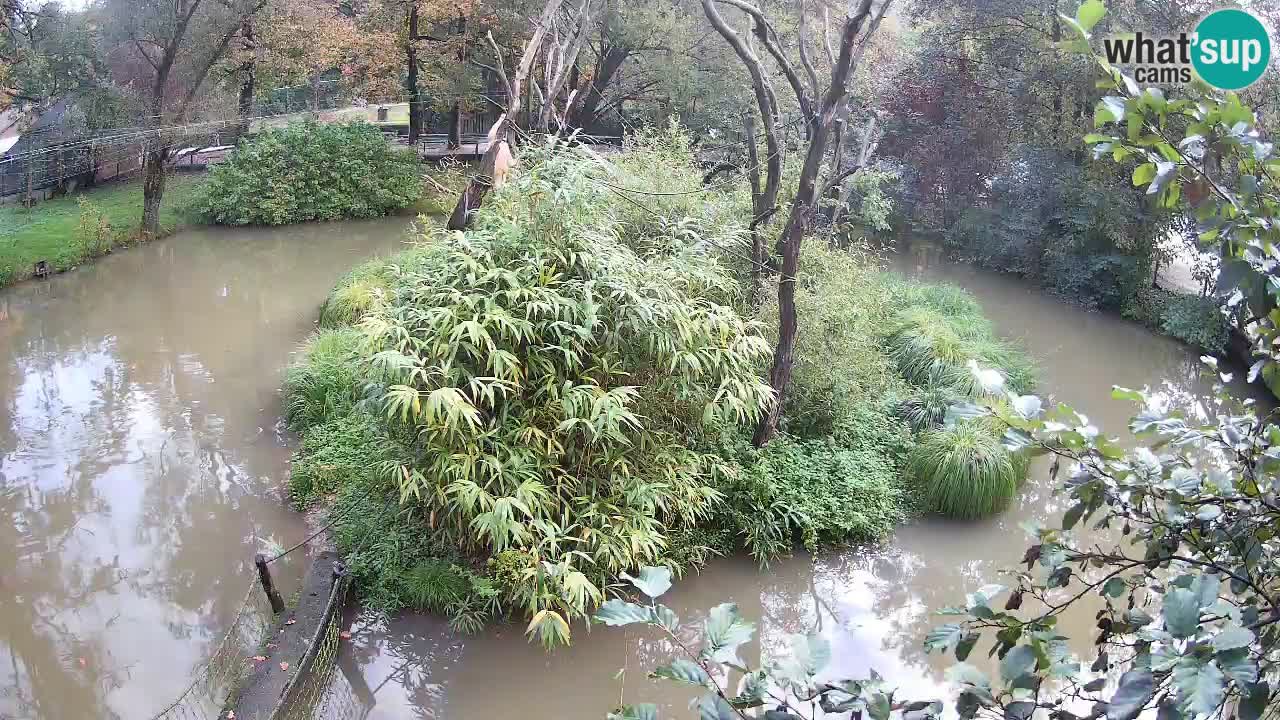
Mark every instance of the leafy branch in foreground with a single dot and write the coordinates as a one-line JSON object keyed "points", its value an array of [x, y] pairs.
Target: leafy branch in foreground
{"points": [[1174, 542], [790, 684]]}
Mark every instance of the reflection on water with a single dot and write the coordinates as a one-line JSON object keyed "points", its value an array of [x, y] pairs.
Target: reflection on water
{"points": [[874, 604], [141, 456]]}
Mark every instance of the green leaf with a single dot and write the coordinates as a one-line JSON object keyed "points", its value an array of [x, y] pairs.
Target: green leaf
{"points": [[1254, 703], [617, 612], [965, 646], [653, 581], [1114, 587], [1109, 109], [682, 670], [966, 674], [1073, 515], [1144, 174], [724, 631], [751, 690], [1021, 710], [943, 637], [1019, 661], [1089, 13], [879, 707], [1137, 618], [1232, 637], [984, 595], [1238, 665], [809, 655], [713, 707], [1201, 685], [641, 711], [1165, 171], [1181, 612], [1134, 692], [666, 617]]}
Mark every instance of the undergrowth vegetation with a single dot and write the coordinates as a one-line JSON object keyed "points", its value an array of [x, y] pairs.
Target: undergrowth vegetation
{"points": [[308, 171], [506, 421], [1193, 319]]}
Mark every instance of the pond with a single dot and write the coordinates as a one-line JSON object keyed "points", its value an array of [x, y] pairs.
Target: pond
{"points": [[142, 456], [142, 459], [875, 605]]}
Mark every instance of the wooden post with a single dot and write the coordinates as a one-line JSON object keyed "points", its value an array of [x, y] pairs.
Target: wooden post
{"points": [[30, 160], [269, 587]]}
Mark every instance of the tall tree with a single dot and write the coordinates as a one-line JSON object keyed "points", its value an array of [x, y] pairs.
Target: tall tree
{"points": [[178, 43], [498, 154], [819, 104]]}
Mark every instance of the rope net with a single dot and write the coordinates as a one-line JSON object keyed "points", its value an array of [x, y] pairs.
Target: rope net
{"points": [[228, 664]]}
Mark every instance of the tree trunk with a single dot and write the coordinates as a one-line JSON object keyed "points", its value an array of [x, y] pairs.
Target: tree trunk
{"points": [[586, 112], [493, 166], [411, 84], [153, 189], [248, 79], [802, 207], [831, 207], [455, 126], [788, 322], [455, 112], [758, 258]]}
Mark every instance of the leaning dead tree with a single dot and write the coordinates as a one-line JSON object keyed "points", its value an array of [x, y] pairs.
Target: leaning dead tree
{"points": [[820, 101], [559, 64], [557, 41]]}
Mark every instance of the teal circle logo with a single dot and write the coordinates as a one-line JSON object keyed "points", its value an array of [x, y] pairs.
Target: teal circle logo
{"points": [[1231, 49]]}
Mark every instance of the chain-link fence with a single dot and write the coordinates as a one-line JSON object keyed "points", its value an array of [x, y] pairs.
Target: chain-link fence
{"points": [[222, 673]]}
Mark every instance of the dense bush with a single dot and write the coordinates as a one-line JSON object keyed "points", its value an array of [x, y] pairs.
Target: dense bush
{"points": [[1197, 321], [563, 393], [964, 471], [307, 172], [328, 379], [937, 332], [541, 380], [843, 488], [1193, 319], [1079, 230], [937, 338], [838, 355]]}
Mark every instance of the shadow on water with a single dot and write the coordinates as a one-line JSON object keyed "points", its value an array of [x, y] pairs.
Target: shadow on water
{"points": [[142, 454], [874, 604]]}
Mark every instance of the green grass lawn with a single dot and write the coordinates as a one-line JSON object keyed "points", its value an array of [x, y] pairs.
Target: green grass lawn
{"points": [[50, 231]]}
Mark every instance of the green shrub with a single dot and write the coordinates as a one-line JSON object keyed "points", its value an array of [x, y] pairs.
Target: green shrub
{"points": [[925, 406], [356, 294], [949, 300], [308, 171], [813, 491], [935, 334], [1147, 306], [327, 380], [965, 472], [544, 380], [345, 450], [381, 542], [1197, 321], [469, 600], [838, 355]]}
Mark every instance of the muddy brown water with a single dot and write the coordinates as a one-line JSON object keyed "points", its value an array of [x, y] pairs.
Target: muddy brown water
{"points": [[142, 457], [875, 605]]}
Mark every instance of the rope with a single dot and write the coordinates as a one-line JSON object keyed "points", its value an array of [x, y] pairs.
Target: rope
{"points": [[337, 517]]}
